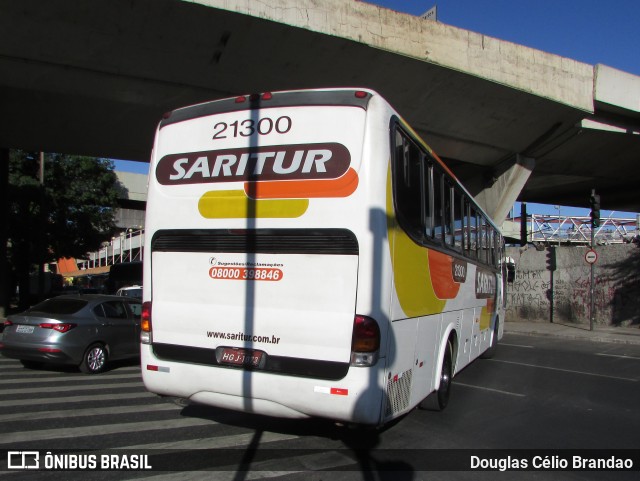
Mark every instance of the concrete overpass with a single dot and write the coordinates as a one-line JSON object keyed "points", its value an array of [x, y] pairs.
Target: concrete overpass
{"points": [[132, 200], [94, 77]]}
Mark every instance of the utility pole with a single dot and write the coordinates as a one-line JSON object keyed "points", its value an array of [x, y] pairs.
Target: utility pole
{"points": [[594, 200], [40, 242], [4, 232], [523, 224]]}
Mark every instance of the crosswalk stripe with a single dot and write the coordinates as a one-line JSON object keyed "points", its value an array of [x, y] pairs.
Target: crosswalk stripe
{"points": [[101, 429], [83, 379], [45, 395], [75, 399], [264, 469], [101, 411], [213, 443], [49, 390]]}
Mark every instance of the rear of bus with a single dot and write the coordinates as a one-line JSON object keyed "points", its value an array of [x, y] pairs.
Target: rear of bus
{"points": [[257, 215]]}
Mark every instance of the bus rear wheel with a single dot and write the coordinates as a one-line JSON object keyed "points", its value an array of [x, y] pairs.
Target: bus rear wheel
{"points": [[439, 399]]}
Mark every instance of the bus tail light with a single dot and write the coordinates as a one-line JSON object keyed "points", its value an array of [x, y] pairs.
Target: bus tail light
{"points": [[145, 323], [365, 343], [240, 99]]}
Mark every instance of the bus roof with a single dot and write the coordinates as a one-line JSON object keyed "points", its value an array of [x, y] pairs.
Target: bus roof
{"points": [[326, 97]]}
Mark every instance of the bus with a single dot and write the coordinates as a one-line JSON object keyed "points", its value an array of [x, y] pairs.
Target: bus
{"points": [[311, 256]]}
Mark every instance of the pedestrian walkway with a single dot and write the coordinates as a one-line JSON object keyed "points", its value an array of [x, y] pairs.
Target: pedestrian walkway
{"points": [[627, 335]]}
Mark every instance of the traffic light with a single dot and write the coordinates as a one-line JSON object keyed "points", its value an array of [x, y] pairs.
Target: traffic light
{"points": [[594, 200], [551, 258]]}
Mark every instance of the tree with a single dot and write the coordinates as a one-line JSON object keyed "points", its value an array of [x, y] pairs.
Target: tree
{"points": [[67, 213]]}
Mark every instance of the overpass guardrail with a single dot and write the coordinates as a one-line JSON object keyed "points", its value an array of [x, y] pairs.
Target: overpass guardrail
{"points": [[560, 229], [126, 247]]}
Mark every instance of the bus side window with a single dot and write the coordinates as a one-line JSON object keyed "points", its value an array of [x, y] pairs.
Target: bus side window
{"points": [[497, 249], [486, 241], [458, 220], [428, 199], [473, 233], [447, 212], [437, 205], [409, 185], [482, 239], [492, 246]]}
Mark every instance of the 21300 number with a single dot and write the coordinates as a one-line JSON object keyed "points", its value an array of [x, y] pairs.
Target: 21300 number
{"points": [[248, 127]]}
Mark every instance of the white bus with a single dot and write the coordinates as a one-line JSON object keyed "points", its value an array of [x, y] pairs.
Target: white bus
{"points": [[309, 256]]}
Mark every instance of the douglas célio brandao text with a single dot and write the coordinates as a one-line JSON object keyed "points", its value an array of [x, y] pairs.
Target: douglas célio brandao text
{"points": [[572, 462]]}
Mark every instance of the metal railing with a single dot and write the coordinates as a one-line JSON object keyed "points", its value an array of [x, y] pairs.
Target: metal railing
{"points": [[550, 229], [127, 247], [577, 230]]}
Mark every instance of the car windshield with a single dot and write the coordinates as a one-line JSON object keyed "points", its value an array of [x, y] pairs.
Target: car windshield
{"points": [[59, 306]]}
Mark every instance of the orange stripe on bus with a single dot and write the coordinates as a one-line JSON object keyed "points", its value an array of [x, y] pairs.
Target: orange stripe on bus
{"points": [[295, 189], [440, 267]]}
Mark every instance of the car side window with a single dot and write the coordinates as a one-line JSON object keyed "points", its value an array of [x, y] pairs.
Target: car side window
{"points": [[136, 309], [113, 309]]}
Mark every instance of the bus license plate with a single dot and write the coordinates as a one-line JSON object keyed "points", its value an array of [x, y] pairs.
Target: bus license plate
{"points": [[241, 357]]}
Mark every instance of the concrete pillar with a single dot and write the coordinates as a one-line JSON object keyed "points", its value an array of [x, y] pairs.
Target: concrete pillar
{"points": [[507, 183], [4, 233]]}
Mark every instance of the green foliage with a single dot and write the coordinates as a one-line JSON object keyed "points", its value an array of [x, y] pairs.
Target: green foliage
{"points": [[67, 215]]}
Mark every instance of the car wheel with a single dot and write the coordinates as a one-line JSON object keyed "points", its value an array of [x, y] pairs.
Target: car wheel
{"points": [[439, 399], [94, 360]]}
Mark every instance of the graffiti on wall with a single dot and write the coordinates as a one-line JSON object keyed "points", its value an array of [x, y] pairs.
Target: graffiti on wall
{"points": [[537, 295]]}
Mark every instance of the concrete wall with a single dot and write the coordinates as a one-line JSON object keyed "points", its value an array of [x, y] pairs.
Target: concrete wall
{"points": [[134, 186], [550, 76], [130, 219], [563, 295]]}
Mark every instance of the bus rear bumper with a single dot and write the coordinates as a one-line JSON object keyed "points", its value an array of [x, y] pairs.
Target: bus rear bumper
{"points": [[357, 398]]}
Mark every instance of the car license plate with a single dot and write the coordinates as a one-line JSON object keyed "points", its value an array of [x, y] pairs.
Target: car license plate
{"points": [[22, 329], [240, 357]]}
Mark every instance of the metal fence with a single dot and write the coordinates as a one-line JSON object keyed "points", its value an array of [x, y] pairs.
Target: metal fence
{"points": [[127, 247], [559, 229]]}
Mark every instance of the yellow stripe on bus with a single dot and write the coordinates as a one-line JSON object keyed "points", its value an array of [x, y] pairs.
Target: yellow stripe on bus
{"points": [[411, 272], [234, 204]]}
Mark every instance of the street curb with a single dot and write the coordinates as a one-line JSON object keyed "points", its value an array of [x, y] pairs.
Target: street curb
{"points": [[561, 333]]}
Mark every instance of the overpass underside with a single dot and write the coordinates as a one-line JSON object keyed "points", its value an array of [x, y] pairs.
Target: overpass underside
{"points": [[95, 77]]}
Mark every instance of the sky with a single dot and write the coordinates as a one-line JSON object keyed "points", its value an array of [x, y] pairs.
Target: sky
{"points": [[590, 31]]}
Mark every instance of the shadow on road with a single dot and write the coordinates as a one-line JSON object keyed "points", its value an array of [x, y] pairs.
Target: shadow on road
{"points": [[361, 445]]}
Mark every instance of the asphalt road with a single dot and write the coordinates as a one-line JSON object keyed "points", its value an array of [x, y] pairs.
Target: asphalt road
{"points": [[540, 395]]}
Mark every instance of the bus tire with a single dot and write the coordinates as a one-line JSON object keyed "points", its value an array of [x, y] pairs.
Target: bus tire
{"points": [[94, 359], [491, 351], [438, 400]]}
